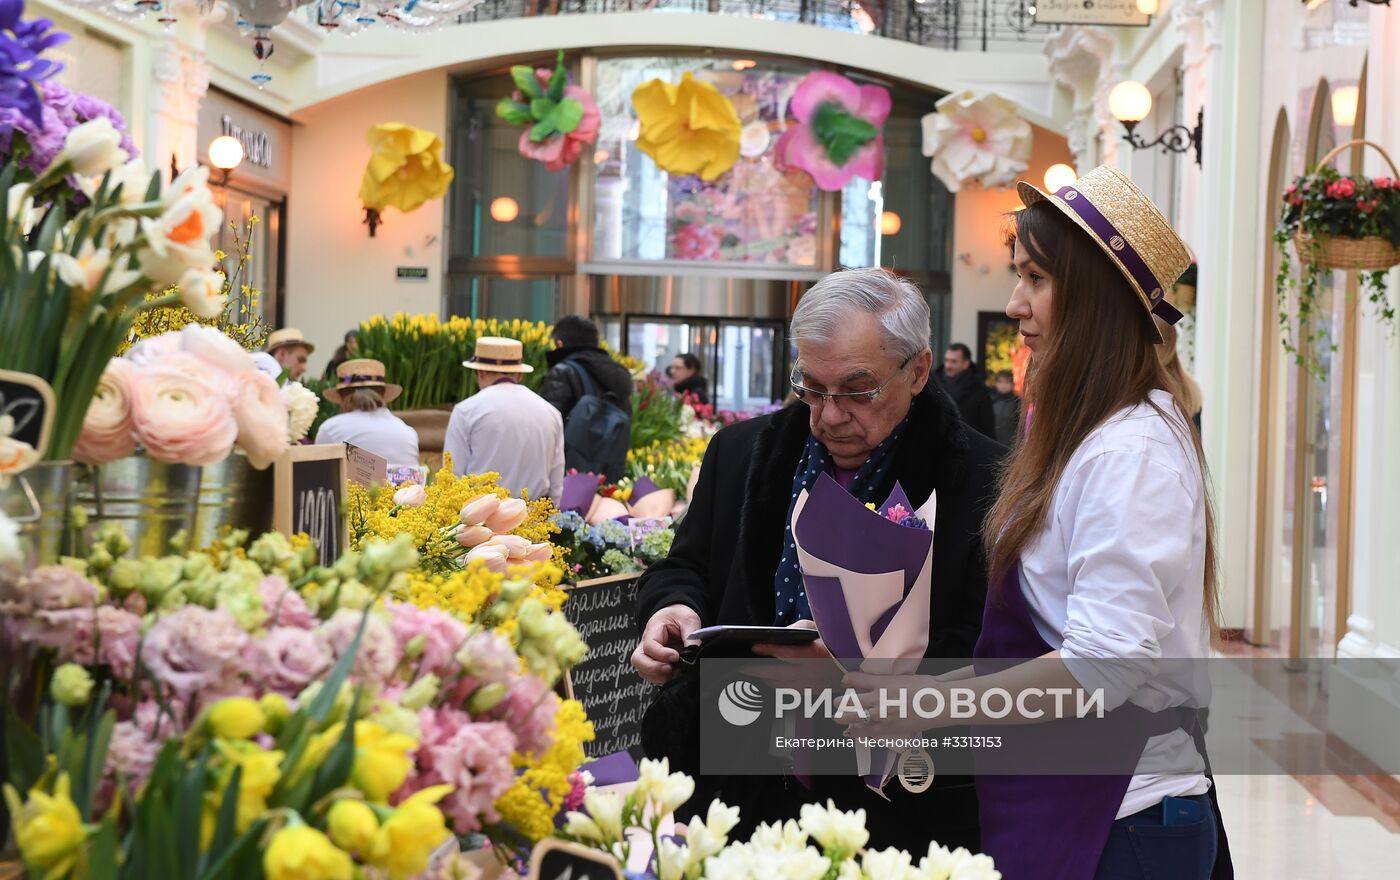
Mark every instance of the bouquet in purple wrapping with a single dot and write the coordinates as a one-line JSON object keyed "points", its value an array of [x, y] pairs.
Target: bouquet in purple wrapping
{"points": [[867, 573]]}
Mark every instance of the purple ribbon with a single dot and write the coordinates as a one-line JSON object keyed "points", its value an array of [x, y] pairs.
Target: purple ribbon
{"points": [[1123, 249], [360, 378], [497, 362]]}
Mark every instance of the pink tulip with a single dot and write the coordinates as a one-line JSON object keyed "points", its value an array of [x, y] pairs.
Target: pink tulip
{"points": [[491, 555], [478, 510], [515, 546], [539, 553], [508, 517], [473, 536]]}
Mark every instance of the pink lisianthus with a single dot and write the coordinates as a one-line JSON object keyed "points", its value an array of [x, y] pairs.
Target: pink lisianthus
{"points": [[284, 606], [195, 649], [529, 709], [442, 635], [800, 147], [488, 658], [55, 587], [472, 756], [131, 754], [287, 659], [68, 631], [378, 654], [118, 640], [561, 149], [107, 429]]}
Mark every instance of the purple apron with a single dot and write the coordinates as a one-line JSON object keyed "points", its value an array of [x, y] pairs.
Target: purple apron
{"points": [[1055, 827]]}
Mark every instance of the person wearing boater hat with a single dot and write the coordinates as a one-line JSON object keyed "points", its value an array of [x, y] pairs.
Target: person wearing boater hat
{"points": [[287, 351], [1102, 564], [365, 421], [505, 427]]}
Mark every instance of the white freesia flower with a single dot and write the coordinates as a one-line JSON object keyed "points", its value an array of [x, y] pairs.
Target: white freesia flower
{"points": [[605, 809], [833, 829], [889, 864], [702, 842], [665, 790], [93, 148], [779, 835], [673, 860], [19, 206], [178, 240], [302, 407], [978, 137], [86, 270], [579, 825], [10, 548], [721, 818], [202, 292]]}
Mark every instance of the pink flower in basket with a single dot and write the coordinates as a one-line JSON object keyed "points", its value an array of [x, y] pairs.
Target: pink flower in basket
{"points": [[1341, 189]]}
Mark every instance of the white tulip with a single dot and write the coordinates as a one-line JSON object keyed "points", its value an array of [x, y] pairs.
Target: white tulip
{"points": [[93, 148]]}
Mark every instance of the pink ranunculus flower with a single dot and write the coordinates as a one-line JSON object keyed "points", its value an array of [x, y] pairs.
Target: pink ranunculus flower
{"points": [[800, 146], [560, 150], [216, 349], [118, 640], [509, 516], [147, 352], [1341, 189], [261, 414], [378, 655], [194, 648], [475, 758], [179, 416], [107, 430], [288, 658], [284, 606], [442, 635]]}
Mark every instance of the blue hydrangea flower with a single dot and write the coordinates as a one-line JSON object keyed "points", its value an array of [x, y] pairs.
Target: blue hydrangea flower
{"points": [[610, 532], [569, 521]]}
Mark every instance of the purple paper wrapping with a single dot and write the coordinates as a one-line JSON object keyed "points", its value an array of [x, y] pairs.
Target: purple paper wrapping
{"points": [[578, 493]]}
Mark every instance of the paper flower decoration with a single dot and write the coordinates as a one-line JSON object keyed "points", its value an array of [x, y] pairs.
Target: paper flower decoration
{"points": [[976, 137], [405, 168], [561, 118], [688, 128], [838, 131]]}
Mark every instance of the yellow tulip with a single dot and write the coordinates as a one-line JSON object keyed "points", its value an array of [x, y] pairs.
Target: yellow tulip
{"points": [[48, 828], [688, 128], [303, 853]]}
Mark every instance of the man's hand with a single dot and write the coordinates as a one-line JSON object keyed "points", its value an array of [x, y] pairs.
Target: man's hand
{"points": [[656, 656]]}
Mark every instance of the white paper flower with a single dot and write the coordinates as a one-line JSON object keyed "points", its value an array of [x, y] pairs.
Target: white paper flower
{"points": [[93, 148], [976, 137], [754, 139], [833, 829], [302, 407]]}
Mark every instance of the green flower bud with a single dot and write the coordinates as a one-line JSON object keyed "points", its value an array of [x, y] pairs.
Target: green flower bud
{"points": [[484, 699], [71, 685], [420, 693], [414, 649]]}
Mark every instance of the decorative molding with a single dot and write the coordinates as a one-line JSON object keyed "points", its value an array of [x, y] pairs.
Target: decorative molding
{"points": [[1202, 24], [1359, 642], [1079, 60]]}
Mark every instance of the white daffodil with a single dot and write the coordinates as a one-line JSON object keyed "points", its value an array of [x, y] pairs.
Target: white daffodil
{"points": [[15, 455], [86, 270], [178, 240], [973, 136], [19, 206], [93, 148], [202, 292], [833, 829], [134, 178]]}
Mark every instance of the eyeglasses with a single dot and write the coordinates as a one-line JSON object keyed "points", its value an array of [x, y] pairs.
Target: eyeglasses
{"points": [[849, 400]]}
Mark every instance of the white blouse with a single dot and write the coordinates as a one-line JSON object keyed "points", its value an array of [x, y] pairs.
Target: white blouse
{"points": [[378, 431], [1119, 572]]}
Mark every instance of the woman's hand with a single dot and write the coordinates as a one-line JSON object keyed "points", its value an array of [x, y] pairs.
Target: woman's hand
{"points": [[797, 671], [904, 694]]}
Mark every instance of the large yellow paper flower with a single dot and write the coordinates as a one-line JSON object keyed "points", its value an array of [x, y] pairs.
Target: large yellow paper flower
{"points": [[405, 169], [688, 128]]}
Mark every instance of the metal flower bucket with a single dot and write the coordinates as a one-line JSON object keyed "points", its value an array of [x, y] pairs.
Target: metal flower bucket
{"points": [[38, 501], [155, 502], [232, 495]]}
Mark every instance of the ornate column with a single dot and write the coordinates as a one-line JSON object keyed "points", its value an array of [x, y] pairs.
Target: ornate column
{"points": [[1080, 58], [180, 70]]}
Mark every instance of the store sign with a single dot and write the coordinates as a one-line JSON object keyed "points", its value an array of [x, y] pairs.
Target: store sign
{"points": [[266, 141], [1123, 13], [412, 273], [257, 146]]}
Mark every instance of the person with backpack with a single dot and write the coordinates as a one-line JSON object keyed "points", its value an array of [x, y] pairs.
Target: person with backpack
{"points": [[505, 427], [593, 393]]}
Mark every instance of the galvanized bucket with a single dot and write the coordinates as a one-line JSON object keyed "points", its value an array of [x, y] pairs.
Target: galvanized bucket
{"points": [[38, 500], [155, 502], [233, 495]]}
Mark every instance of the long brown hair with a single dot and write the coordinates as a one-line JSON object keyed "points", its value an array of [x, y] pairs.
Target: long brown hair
{"points": [[1100, 357]]}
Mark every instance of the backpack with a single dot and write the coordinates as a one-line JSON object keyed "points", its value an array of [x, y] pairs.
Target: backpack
{"points": [[598, 432]]}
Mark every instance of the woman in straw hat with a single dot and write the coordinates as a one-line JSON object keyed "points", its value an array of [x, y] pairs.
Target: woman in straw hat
{"points": [[364, 419], [1102, 558]]}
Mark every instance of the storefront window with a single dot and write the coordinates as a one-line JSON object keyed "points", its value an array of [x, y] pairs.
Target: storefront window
{"points": [[754, 214]]}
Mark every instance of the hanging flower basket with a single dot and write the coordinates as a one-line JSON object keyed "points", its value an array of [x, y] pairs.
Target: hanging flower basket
{"points": [[1335, 222]]}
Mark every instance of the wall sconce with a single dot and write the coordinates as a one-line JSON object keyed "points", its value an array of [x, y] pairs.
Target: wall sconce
{"points": [[1344, 101], [504, 209], [225, 154], [1130, 102], [890, 223], [1059, 176]]}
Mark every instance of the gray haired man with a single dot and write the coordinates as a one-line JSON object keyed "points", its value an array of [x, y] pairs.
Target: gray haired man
{"points": [[867, 416]]}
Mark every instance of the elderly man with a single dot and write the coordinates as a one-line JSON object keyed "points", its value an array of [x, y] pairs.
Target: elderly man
{"points": [[868, 416]]}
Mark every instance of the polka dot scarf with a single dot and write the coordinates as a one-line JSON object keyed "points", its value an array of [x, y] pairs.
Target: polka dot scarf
{"points": [[791, 595]]}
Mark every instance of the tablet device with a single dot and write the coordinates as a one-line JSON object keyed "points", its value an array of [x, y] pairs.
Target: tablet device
{"points": [[753, 635]]}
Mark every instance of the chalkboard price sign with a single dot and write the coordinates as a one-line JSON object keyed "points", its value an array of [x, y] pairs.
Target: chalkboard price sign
{"points": [[612, 693], [28, 400], [309, 496], [555, 859]]}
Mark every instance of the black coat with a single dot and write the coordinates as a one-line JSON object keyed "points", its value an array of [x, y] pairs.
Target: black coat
{"points": [[969, 391], [696, 386], [562, 386], [722, 564]]}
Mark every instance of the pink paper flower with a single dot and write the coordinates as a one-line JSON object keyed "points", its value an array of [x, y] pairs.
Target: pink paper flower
{"points": [[284, 606], [378, 654], [695, 241], [179, 417], [287, 659], [195, 649], [107, 429], [974, 136], [560, 150], [828, 142], [442, 635]]}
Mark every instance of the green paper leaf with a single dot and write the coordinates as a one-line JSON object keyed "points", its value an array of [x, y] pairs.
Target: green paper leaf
{"points": [[559, 80], [841, 133], [540, 108], [541, 131], [525, 80], [515, 112], [567, 114]]}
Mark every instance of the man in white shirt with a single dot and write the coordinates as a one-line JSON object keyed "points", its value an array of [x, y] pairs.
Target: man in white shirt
{"points": [[505, 427], [365, 420], [287, 350]]}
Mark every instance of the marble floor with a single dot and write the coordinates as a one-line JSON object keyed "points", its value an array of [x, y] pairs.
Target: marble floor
{"points": [[1307, 827]]}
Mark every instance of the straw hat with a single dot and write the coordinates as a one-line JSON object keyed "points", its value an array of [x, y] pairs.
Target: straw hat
{"points": [[1122, 220], [361, 373], [288, 336], [499, 355]]}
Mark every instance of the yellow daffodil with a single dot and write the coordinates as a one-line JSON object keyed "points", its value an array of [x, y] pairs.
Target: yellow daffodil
{"points": [[303, 853], [354, 828], [408, 837], [256, 782], [405, 168], [236, 718], [382, 760], [688, 128], [48, 828]]}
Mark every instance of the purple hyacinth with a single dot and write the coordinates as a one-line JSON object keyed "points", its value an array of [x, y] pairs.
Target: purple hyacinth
{"points": [[21, 68]]}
